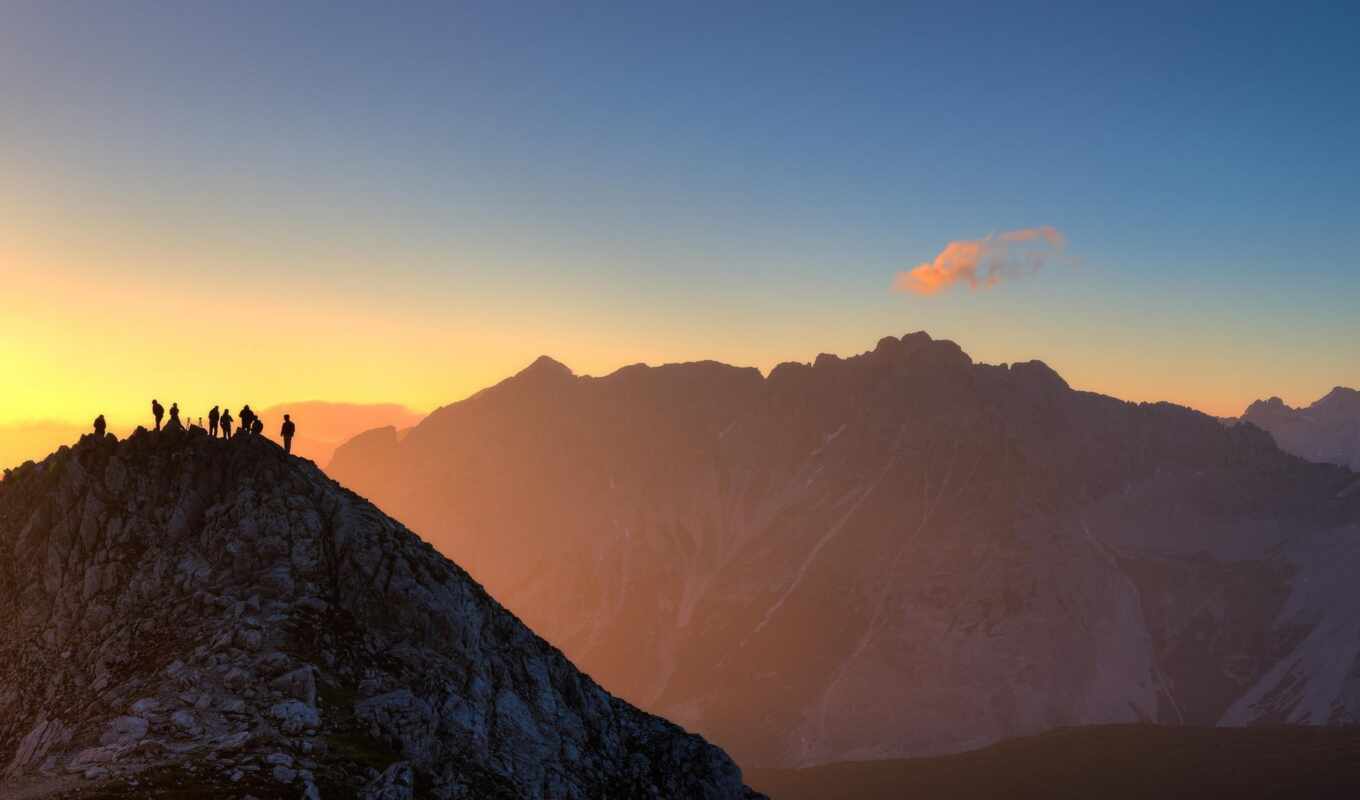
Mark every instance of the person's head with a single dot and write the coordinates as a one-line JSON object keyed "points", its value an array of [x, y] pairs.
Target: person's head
{"points": [[286, 417]]}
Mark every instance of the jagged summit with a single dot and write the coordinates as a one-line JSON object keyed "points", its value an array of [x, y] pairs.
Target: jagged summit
{"points": [[1328, 430], [848, 558], [184, 613]]}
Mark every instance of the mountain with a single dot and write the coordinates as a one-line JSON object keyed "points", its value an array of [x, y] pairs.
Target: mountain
{"points": [[188, 617], [324, 426], [1327, 431], [900, 553], [1111, 762]]}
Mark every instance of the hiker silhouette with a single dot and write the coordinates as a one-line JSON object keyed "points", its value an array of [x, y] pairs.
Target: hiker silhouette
{"points": [[226, 424], [288, 430], [247, 418], [99, 426], [174, 414], [157, 411], [213, 417], [256, 425]]}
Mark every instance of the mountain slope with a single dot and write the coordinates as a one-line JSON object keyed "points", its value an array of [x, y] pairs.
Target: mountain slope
{"points": [[184, 615], [899, 553], [1110, 762], [1327, 431]]}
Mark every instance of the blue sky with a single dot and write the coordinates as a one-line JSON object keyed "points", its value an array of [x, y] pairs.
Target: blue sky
{"points": [[635, 182]]}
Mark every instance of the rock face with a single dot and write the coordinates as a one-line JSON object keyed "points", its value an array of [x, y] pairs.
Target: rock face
{"points": [[1327, 431], [180, 614], [900, 553]]}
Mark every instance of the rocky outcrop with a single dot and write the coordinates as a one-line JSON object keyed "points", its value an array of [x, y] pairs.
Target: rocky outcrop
{"points": [[182, 614], [897, 553]]}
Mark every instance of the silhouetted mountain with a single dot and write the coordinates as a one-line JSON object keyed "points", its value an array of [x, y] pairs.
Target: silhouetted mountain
{"points": [[324, 426], [1114, 762], [186, 617], [899, 553], [1327, 431]]}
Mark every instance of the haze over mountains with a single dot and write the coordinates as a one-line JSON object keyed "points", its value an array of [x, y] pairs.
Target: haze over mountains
{"points": [[895, 554], [1328, 430], [188, 617], [324, 426]]}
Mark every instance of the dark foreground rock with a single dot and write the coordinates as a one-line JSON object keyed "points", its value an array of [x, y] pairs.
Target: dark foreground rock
{"points": [[185, 617]]}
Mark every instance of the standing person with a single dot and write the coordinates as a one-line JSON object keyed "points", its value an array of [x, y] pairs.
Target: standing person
{"points": [[288, 430], [226, 424], [174, 415], [247, 418], [99, 426], [213, 417], [157, 411]]}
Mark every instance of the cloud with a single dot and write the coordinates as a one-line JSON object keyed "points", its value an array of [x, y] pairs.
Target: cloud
{"points": [[982, 263]]}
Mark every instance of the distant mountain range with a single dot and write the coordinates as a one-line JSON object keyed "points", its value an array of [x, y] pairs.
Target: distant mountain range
{"points": [[901, 553], [183, 617], [324, 426], [1327, 431]]}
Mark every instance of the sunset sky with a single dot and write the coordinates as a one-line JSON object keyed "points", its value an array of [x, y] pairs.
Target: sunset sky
{"points": [[221, 203]]}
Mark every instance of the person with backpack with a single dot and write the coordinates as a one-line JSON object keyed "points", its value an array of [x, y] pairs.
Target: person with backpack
{"points": [[226, 424], [174, 415], [256, 425], [99, 427], [288, 430], [247, 418], [213, 417], [157, 411]]}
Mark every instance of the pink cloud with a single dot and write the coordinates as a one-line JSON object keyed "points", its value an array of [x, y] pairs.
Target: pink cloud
{"points": [[982, 263]]}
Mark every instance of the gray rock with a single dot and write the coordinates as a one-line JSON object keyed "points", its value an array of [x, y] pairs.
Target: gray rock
{"points": [[185, 721], [124, 731], [300, 684], [284, 774], [294, 716], [167, 613], [397, 782]]}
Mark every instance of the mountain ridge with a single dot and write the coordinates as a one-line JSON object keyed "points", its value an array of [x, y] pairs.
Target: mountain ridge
{"points": [[1328, 430], [764, 556]]}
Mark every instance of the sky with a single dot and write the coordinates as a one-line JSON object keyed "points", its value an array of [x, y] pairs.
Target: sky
{"points": [[264, 202]]}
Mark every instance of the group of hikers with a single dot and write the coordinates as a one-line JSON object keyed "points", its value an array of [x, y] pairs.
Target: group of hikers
{"points": [[250, 422]]}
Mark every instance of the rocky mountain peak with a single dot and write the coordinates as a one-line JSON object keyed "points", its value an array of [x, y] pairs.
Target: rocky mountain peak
{"points": [[545, 367], [1269, 405], [179, 613], [1340, 399]]}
